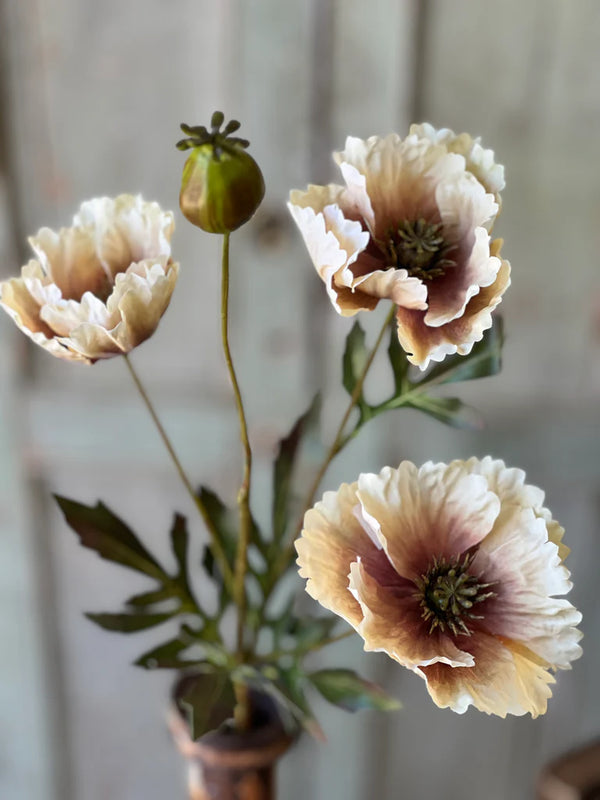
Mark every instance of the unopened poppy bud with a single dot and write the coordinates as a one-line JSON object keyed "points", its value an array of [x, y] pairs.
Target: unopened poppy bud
{"points": [[222, 185]]}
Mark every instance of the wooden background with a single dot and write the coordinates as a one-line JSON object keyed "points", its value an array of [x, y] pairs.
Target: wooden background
{"points": [[93, 92]]}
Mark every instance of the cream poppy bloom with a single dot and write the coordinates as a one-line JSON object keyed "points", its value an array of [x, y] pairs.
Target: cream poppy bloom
{"points": [[453, 571], [412, 225], [99, 288]]}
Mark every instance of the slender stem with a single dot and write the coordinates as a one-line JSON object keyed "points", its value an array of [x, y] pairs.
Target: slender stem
{"points": [[217, 548], [241, 711], [334, 449], [243, 498]]}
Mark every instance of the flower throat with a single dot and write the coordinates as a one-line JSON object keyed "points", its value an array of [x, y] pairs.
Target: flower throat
{"points": [[419, 247]]}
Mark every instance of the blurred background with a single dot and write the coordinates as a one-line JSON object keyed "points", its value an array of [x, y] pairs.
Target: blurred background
{"points": [[92, 97]]}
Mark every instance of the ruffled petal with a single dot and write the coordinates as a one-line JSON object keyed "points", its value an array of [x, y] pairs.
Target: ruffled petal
{"points": [[89, 296], [437, 511], [70, 260], [479, 161], [332, 539], [527, 571], [464, 209], [142, 295], [424, 343], [393, 624], [334, 243], [506, 679], [126, 230]]}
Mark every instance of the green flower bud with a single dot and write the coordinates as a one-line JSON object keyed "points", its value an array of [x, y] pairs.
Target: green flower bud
{"points": [[221, 186]]}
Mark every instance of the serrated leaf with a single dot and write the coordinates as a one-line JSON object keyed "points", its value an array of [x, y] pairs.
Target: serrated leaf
{"points": [[207, 700], [485, 359], [449, 410], [101, 530], [398, 361], [355, 357], [128, 623], [284, 466], [346, 689]]}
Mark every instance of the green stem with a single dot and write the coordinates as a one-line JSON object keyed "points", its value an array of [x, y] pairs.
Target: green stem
{"points": [[243, 498], [215, 542], [337, 444]]}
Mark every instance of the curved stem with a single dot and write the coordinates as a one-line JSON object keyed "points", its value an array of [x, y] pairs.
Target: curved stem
{"points": [[215, 542], [338, 442], [243, 498]]}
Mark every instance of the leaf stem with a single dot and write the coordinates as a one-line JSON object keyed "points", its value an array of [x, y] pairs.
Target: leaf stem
{"points": [[243, 497], [215, 541]]}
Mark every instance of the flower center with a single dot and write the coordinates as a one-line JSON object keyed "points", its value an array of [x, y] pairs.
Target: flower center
{"points": [[448, 594], [419, 247]]}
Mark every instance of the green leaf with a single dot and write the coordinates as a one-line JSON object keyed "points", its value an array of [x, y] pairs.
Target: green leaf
{"points": [[449, 410], [151, 597], [207, 700], [165, 656], [485, 359], [355, 357], [284, 466], [179, 543], [100, 530], [128, 623], [346, 689], [399, 363], [224, 520], [211, 567]]}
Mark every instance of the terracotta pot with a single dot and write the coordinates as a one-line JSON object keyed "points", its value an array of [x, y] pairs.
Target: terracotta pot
{"points": [[227, 765]]}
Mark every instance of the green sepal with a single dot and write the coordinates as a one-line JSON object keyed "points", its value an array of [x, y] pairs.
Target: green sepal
{"points": [[347, 690]]}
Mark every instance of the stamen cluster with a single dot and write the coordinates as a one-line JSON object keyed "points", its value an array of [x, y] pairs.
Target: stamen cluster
{"points": [[419, 247], [448, 593]]}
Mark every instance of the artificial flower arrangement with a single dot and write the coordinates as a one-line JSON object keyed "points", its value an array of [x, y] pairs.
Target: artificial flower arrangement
{"points": [[456, 570]]}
